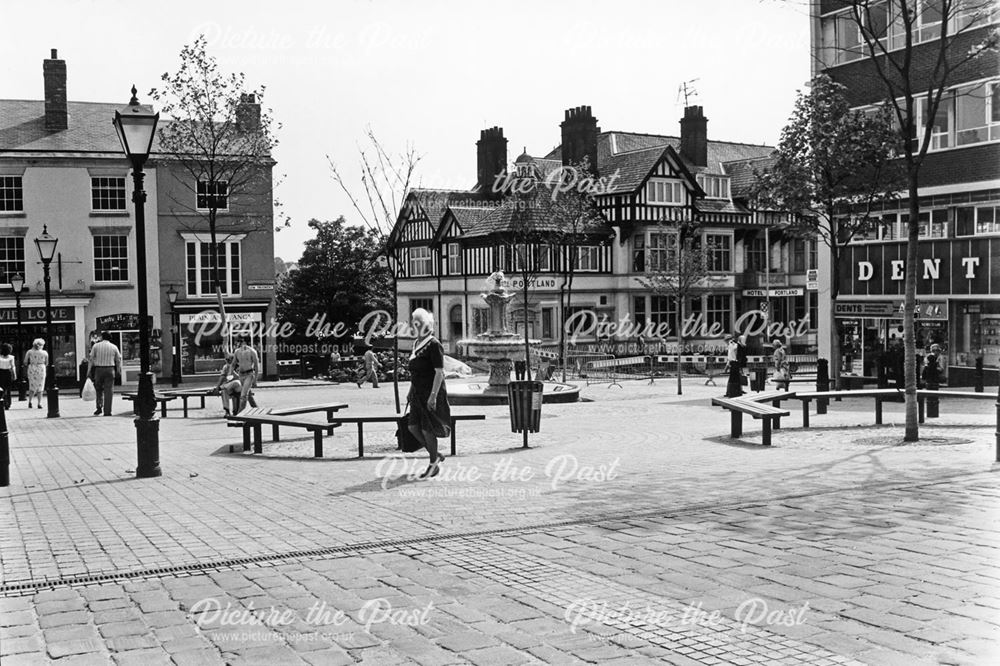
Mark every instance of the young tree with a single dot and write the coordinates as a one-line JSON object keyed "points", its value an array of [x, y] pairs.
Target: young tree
{"points": [[334, 282], [575, 216], [385, 180], [832, 171], [218, 144], [916, 73], [680, 271]]}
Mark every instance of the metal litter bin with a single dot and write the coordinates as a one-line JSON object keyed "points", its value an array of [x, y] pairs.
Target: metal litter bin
{"points": [[525, 400]]}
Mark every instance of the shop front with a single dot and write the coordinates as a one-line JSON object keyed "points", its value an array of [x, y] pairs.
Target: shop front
{"points": [[66, 319], [124, 330], [871, 332], [204, 339]]}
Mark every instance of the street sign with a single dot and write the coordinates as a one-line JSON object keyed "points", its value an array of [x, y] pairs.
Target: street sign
{"points": [[812, 279], [763, 307]]}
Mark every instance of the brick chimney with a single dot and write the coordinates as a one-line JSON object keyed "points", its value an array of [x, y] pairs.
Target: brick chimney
{"points": [[248, 113], [694, 136], [579, 137], [491, 160], [56, 113]]}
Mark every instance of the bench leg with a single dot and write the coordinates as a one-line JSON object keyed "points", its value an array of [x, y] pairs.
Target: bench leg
{"points": [[361, 439], [920, 409], [767, 430], [184, 401], [274, 432], [318, 443], [202, 402], [735, 423], [258, 443], [163, 409], [777, 419], [246, 438], [878, 411], [453, 445], [805, 413]]}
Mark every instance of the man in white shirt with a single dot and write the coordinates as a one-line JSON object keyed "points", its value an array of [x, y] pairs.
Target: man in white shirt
{"points": [[105, 365]]}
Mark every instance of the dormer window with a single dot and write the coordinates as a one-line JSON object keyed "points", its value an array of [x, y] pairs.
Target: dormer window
{"points": [[716, 187], [665, 192]]}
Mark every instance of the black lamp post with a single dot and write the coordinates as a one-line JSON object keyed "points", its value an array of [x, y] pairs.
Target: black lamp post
{"points": [[17, 284], [175, 365], [136, 127], [46, 245]]}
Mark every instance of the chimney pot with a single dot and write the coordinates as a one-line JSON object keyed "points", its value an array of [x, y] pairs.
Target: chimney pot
{"points": [[55, 54]]}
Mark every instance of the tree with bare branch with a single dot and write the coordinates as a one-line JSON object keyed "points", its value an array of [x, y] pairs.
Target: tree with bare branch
{"points": [[218, 144]]}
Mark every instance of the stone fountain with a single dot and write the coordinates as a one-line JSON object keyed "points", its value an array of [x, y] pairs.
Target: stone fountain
{"points": [[500, 347]]}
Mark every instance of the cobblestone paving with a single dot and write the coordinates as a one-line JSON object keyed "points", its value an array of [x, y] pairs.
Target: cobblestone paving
{"points": [[885, 551]]}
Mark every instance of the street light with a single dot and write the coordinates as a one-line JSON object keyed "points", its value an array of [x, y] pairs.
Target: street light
{"points": [[136, 128], [175, 365], [46, 245], [17, 284]]}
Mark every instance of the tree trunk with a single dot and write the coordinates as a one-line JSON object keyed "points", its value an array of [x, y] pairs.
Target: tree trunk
{"points": [[216, 281], [909, 305], [567, 294], [680, 342], [835, 355], [527, 345]]}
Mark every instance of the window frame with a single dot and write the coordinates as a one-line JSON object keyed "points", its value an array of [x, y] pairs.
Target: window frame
{"points": [[11, 194], [665, 192], [199, 195], [717, 252], [714, 186], [96, 187], [427, 260], [226, 249], [18, 264], [123, 238], [593, 252]]}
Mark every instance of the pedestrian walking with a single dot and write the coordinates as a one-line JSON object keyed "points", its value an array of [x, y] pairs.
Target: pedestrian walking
{"points": [[430, 413], [247, 364], [782, 371], [105, 366], [229, 387], [372, 366], [931, 373], [734, 386], [8, 372], [36, 359]]}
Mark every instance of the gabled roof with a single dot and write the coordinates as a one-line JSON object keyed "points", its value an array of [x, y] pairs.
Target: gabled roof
{"points": [[464, 216], [433, 203]]}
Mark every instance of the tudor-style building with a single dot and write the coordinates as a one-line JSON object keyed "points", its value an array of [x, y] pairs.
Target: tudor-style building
{"points": [[958, 281], [446, 242]]}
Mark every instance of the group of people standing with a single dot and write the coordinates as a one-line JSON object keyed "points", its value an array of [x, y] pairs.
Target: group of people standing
{"points": [[736, 363], [34, 363]]}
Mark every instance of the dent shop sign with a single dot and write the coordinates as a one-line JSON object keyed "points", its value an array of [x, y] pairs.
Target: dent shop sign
{"points": [[9, 315], [947, 267], [924, 309]]}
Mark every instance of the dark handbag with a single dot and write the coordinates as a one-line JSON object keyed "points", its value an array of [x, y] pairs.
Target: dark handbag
{"points": [[405, 441]]}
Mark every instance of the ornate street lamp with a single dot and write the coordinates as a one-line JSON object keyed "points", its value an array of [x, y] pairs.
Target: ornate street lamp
{"points": [[17, 284], [46, 245], [136, 127], [175, 365]]}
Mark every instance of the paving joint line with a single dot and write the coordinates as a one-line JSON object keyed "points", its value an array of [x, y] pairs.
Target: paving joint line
{"points": [[24, 587]]}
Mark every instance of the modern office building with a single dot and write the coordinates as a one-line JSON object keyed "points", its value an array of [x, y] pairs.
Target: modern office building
{"points": [[958, 289]]}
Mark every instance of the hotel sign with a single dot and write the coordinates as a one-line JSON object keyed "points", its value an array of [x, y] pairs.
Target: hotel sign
{"points": [[762, 293], [516, 283]]}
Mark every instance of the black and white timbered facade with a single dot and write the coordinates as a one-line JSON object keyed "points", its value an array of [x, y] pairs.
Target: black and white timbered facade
{"points": [[446, 242]]}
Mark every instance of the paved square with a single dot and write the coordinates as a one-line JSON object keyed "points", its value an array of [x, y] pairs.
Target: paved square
{"points": [[633, 531]]}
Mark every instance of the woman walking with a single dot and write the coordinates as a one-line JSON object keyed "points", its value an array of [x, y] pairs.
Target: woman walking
{"points": [[36, 359], [782, 372], [430, 413], [8, 372]]}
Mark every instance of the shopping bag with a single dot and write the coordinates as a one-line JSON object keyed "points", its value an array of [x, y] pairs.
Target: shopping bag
{"points": [[89, 392], [405, 441]]}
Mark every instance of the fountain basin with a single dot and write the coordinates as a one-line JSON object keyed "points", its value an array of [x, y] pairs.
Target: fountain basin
{"points": [[483, 393]]}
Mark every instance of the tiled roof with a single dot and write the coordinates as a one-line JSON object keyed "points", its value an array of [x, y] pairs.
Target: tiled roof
{"points": [[434, 202], [718, 206], [611, 144], [535, 211], [743, 174], [22, 128], [632, 168]]}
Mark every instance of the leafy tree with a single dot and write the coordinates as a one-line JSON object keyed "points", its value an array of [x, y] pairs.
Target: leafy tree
{"points": [[913, 76], [218, 144], [335, 281], [682, 271], [833, 170]]}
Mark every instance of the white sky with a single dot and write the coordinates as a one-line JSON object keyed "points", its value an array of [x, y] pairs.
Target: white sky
{"points": [[432, 73]]}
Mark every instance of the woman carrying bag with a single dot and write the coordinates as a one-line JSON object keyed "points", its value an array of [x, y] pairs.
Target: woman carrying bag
{"points": [[430, 413]]}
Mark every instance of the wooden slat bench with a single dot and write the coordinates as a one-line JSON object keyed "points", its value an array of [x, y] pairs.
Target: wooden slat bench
{"points": [[739, 406], [879, 395], [924, 394], [362, 420], [187, 394], [254, 418], [773, 397], [159, 398]]}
